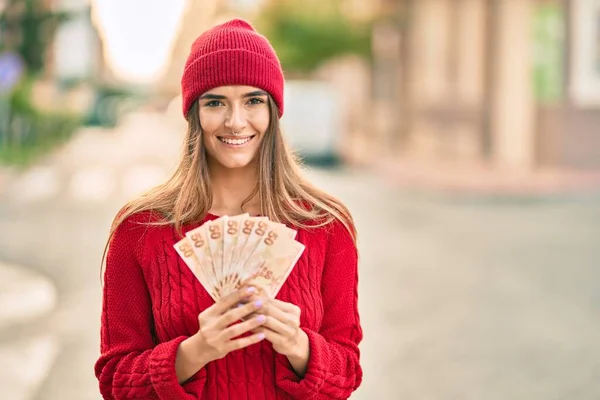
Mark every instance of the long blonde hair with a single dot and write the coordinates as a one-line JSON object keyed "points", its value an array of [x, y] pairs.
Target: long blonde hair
{"points": [[285, 195]]}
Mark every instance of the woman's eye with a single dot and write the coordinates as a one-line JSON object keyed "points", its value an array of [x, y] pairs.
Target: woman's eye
{"points": [[213, 103], [256, 100]]}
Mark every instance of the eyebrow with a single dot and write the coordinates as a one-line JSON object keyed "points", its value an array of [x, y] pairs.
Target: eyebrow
{"points": [[255, 93], [221, 97]]}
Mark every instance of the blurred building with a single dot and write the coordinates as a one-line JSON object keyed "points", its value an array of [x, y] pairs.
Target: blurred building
{"points": [[73, 59], [77, 52], [197, 17], [512, 83]]}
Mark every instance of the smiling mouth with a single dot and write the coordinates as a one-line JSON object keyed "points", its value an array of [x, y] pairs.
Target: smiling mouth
{"points": [[236, 141]]}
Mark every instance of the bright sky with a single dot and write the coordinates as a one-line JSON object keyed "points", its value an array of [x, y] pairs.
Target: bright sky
{"points": [[138, 35]]}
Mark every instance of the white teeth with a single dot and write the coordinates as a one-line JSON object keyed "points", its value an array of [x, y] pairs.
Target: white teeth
{"points": [[236, 141]]}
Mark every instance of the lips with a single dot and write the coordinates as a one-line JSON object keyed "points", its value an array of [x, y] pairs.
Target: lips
{"points": [[237, 141]]}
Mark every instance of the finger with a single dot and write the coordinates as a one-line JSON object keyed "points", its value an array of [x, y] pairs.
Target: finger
{"points": [[245, 341], [279, 327], [285, 306], [271, 336], [235, 314], [254, 314], [243, 327], [259, 288], [233, 298], [253, 297], [285, 318]]}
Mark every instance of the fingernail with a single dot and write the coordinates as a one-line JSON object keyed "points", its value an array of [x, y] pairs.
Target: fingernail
{"points": [[261, 336], [251, 290], [261, 318], [258, 303], [240, 304]]}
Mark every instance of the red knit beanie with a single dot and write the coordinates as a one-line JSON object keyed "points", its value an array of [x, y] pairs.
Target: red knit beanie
{"points": [[232, 53]]}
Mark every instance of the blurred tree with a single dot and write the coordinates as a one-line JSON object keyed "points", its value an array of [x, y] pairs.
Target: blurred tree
{"points": [[27, 27], [307, 33], [549, 34]]}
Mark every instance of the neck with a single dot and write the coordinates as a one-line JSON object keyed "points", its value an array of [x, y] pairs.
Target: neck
{"points": [[231, 187]]}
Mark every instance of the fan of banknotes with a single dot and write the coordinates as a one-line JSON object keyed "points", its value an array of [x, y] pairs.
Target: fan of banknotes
{"points": [[229, 252]]}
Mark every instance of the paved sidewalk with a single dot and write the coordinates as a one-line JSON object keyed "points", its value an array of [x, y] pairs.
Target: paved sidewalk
{"points": [[479, 179], [24, 296]]}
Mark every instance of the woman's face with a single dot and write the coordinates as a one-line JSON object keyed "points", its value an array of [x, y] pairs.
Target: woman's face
{"points": [[226, 110]]}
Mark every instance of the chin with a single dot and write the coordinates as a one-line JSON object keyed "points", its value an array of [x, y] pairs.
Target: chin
{"points": [[236, 163]]}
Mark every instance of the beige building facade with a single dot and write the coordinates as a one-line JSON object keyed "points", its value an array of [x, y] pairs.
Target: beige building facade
{"points": [[453, 80]]}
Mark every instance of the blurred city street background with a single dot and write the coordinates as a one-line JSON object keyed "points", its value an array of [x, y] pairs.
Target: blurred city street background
{"points": [[462, 134]]}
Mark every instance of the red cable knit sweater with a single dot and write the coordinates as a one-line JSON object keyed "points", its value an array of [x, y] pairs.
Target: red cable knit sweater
{"points": [[151, 301]]}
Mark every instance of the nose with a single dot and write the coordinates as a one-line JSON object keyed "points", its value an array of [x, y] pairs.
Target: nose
{"points": [[235, 119]]}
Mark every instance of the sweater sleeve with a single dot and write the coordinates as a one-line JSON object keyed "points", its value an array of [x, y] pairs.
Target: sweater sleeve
{"points": [[333, 370], [131, 365]]}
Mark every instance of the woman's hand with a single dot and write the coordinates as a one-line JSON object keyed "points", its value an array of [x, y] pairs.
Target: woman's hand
{"points": [[282, 329], [216, 336]]}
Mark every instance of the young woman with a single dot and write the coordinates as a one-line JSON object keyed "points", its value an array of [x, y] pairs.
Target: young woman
{"points": [[162, 336]]}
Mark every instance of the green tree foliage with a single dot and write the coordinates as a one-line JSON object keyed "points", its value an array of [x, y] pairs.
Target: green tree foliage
{"points": [[27, 28], [307, 33]]}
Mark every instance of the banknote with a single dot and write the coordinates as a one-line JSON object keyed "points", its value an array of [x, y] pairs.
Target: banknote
{"points": [[214, 230], [198, 239], [288, 231], [276, 264], [229, 252], [230, 239], [247, 230], [231, 234], [257, 231], [204, 275], [275, 234]]}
